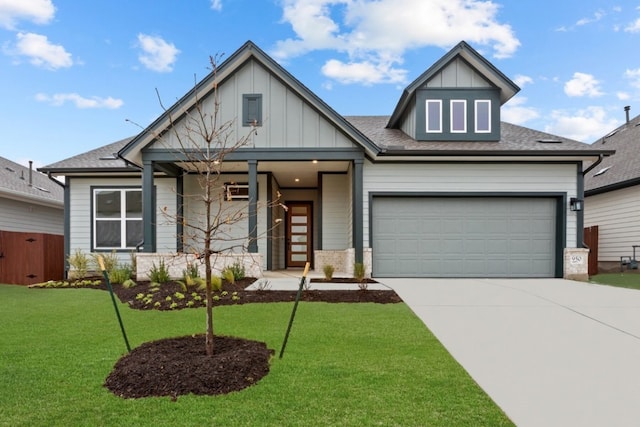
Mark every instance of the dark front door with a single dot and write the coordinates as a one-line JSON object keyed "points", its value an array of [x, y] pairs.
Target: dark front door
{"points": [[299, 232]]}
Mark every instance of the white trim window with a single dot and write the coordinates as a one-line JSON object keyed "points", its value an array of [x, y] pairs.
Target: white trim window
{"points": [[434, 116], [458, 108], [117, 218], [482, 116]]}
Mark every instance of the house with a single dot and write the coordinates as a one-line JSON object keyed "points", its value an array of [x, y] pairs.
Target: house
{"points": [[31, 225], [440, 188], [612, 195]]}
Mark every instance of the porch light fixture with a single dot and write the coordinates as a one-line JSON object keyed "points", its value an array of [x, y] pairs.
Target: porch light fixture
{"points": [[576, 205]]}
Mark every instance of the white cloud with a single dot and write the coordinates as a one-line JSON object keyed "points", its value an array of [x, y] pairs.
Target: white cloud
{"points": [[522, 80], [582, 84], [634, 76], [586, 125], [157, 54], [81, 102], [367, 32], [216, 5], [516, 112], [595, 18], [36, 11], [633, 27], [623, 96], [366, 72], [41, 52]]}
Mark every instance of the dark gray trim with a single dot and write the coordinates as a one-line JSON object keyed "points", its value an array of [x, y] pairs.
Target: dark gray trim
{"points": [[489, 153], [269, 221], [561, 212], [259, 154], [67, 225], [253, 206], [358, 210], [148, 208], [180, 213], [613, 187], [247, 100]]}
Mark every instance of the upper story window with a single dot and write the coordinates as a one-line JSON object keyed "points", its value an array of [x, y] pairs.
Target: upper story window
{"points": [[482, 118], [252, 109], [117, 218], [434, 116], [458, 113]]}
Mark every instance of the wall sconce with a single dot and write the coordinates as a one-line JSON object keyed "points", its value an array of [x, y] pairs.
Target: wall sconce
{"points": [[576, 205]]}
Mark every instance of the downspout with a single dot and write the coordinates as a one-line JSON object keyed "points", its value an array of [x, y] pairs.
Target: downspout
{"points": [[580, 218]]}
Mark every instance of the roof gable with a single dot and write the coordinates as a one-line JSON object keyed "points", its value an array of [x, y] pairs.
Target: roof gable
{"points": [[479, 73], [225, 71]]}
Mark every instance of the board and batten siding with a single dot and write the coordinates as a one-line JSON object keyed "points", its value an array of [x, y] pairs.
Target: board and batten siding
{"points": [[335, 212], [458, 74], [237, 233], [80, 213], [25, 217], [470, 178], [616, 215], [288, 121]]}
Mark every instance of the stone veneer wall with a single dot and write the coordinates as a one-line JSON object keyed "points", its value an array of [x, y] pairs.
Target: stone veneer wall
{"points": [[576, 264], [177, 263], [342, 261]]}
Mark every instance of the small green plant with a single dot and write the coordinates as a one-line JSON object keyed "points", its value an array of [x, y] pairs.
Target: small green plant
{"points": [[110, 260], [79, 263], [227, 274], [237, 270], [359, 275], [159, 273], [328, 271], [120, 274], [129, 283], [216, 283]]}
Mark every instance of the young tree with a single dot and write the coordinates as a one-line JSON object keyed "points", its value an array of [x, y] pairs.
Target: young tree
{"points": [[205, 140]]}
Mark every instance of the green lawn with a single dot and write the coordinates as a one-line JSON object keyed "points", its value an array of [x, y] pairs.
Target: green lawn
{"points": [[622, 280], [345, 365]]}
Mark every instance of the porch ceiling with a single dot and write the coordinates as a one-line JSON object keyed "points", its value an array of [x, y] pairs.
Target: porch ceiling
{"points": [[289, 174]]}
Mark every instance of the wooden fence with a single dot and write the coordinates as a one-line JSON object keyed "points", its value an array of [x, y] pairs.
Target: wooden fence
{"points": [[27, 258], [591, 241]]}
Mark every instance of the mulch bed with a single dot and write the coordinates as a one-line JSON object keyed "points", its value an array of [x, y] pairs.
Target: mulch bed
{"points": [[179, 366]]}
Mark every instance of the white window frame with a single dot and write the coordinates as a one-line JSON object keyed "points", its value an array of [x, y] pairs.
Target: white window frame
{"points": [[123, 217], [234, 193], [476, 121], [464, 115], [437, 102]]}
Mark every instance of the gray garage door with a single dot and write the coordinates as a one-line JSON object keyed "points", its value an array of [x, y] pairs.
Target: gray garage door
{"points": [[463, 237]]}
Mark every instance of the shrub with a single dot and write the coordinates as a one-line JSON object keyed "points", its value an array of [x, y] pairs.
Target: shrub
{"points": [[328, 271], [159, 273], [227, 274], [79, 263], [216, 283], [110, 260], [237, 270], [358, 274], [120, 274]]}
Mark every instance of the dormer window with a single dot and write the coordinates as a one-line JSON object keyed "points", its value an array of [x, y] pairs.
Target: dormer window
{"points": [[458, 116], [434, 116], [482, 116]]}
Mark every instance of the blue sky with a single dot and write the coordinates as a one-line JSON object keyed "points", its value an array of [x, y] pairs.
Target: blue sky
{"points": [[76, 73]]}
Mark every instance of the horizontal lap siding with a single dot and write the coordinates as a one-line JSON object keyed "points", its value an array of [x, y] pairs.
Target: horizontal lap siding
{"points": [[29, 217], [469, 178], [616, 215]]}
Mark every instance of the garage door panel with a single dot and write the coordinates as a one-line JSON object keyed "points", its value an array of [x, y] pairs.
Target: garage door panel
{"points": [[457, 237]]}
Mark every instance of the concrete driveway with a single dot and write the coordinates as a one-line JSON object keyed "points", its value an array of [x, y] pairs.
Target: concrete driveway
{"points": [[549, 352]]}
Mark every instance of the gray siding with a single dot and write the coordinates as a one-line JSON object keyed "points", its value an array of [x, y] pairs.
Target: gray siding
{"points": [[471, 177], [288, 120], [18, 216], [336, 212], [616, 215], [458, 74]]}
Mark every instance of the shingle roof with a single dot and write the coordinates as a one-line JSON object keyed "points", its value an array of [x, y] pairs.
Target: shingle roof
{"points": [[103, 158], [621, 169], [514, 139], [15, 183]]}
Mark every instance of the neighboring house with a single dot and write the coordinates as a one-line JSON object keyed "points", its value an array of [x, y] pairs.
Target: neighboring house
{"points": [[31, 225], [612, 191], [440, 188]]}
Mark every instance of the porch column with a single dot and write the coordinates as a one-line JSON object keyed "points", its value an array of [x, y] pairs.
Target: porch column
{"points": [[358, 234], [253, 206], [148, 207]]}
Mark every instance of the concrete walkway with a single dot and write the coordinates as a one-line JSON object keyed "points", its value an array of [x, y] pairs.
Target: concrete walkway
{"points": [[550, 352]]}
